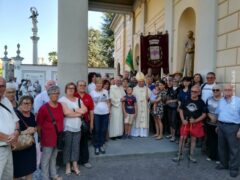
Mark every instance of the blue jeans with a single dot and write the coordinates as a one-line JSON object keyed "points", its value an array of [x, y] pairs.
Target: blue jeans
{"points": [[100, 129]]}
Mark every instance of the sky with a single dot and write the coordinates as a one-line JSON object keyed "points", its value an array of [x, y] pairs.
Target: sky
{"points": [[16, 27]]}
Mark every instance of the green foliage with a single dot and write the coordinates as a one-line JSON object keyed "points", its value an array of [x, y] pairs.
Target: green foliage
{"points": [[1, 71], [95, 58], [107, 39], [52, 57]]}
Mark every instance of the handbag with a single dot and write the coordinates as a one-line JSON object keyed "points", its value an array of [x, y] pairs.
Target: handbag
{"points": [[84, 126], [24, 141], [60, 135]]}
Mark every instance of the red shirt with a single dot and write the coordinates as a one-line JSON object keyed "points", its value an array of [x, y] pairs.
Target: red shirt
{"points": [[44, 120], [88, 102]]}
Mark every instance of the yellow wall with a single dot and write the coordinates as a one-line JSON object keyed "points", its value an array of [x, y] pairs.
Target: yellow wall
{"points": [[228, 43]]}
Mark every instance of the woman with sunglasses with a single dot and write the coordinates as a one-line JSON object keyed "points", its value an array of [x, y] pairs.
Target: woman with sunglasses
{"points": [[211, 124]]}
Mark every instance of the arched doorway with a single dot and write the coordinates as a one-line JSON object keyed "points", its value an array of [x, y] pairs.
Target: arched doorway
{"points": [[186, 23]]}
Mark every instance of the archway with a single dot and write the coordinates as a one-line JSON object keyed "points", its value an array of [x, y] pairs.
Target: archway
{"points": [[186, 23]]}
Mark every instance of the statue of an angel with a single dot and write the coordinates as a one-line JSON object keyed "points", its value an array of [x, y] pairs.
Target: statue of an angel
{"points": [[34, 17]]}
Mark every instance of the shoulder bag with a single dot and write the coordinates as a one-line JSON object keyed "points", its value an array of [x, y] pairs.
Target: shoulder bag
{"points": [[84, 127], [24, 140], [60, 135]]}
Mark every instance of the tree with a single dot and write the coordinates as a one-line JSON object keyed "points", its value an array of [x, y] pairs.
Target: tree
{"points": [[52, 57], [95, 58], [107, 39]]}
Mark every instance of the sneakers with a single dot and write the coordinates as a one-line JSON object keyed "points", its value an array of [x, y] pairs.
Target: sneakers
{"points": [[96, 151], [102, 150], [87, 165], [173, 139]]}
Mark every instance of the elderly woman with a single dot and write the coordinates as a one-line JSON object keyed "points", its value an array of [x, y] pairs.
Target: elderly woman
{"points": [[47, 131], [25, 161], [101, 115], [72, 128], [211, 124], [10, 93]]}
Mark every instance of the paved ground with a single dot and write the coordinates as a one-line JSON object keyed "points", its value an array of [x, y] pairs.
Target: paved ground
{"points": [[145, 159]]}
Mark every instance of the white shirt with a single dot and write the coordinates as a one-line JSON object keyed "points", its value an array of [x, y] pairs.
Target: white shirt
{"points": [[39, 100], [7, 120], [72, 124], [207, 91], [100, 102], [91, 86]]}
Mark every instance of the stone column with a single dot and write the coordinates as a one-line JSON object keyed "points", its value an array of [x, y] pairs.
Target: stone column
{"points": [[35, 49], [5, 61], [17, 64], [72, 41]]}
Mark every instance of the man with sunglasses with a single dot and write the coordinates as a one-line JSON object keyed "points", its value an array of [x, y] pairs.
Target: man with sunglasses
{"points": [[192, 113], [211, 124], [228, 111], [207, 87]]}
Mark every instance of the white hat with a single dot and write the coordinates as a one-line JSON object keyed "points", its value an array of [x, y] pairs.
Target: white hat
{"points": [[140, 76]]}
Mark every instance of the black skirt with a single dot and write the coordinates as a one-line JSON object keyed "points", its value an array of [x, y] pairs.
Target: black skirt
{"points": [[25, 161]]}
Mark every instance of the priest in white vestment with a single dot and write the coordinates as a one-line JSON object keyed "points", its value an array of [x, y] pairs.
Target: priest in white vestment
{"points": [[116, 118], [142, 93]]}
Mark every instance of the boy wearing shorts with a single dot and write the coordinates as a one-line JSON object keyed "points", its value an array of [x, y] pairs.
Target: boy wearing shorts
{"points": [[130, 111]]}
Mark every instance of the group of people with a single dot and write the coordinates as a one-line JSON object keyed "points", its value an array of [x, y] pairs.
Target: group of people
{"points": [[182, 108]]}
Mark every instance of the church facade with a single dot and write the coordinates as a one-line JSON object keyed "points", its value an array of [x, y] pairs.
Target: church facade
{"points": [[216, 27]]}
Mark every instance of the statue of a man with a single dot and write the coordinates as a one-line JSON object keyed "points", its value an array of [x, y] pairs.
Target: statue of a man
{"points": [[34, 17], [189, 57]]}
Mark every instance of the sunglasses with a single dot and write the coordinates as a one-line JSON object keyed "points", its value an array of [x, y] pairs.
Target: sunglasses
{"points": [[194, 91], [216, 90]]}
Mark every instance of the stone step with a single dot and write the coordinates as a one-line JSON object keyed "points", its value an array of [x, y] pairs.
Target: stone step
{"points": [[126, 148]]}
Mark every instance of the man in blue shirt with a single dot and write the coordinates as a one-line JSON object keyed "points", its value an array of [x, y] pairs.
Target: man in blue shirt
{"points": [[228, 111]]}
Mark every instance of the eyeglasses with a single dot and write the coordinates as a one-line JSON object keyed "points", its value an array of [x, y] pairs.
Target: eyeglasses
{"points": [[194, 91], [82, 85], [2, 86], [216, 90], [71, 88], [210, 77], [26, 103]]}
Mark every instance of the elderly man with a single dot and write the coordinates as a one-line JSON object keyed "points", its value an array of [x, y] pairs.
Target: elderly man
{"points": [[9, 131], [228, 111], [142, 94], [208, 86], [42, 98], [116, 121]]}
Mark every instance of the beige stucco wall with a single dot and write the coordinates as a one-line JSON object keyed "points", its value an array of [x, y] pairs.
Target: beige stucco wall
{"points": [[123, 40], [228, 43]]}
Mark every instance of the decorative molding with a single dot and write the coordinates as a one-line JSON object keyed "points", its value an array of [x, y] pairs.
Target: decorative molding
{"points": [[115, 8]]}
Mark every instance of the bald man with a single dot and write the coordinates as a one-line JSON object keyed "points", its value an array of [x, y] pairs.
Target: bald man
{"points": [[228, 112]]}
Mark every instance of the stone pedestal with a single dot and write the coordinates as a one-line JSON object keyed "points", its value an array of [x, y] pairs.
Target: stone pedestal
{"points": [[17, 64], [72, 41]]}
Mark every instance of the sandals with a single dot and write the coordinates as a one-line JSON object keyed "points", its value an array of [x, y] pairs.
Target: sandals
{"points": [[76, 171], [159, 138], [57, 178]]}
